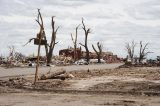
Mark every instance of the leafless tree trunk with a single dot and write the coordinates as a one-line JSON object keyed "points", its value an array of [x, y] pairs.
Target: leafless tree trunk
{"points": [[130, 50], [87, 31], [48, 47], [99, 53], [11, 51], [142, 51], [75, 43], [52, 43]]}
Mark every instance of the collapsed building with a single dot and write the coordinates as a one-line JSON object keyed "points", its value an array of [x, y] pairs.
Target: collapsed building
{"points": [[109, 57], [70, 53]]}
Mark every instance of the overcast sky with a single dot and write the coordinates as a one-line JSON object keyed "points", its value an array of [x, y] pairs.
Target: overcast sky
{"points": [[112, 22]]}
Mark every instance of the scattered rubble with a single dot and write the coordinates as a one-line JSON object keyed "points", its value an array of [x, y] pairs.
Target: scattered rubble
{"points": [[22, 83]]}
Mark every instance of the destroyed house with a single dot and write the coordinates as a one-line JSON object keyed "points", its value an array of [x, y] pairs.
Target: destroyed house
{"points": [[34, 59], [109, 57], [70, 53]]}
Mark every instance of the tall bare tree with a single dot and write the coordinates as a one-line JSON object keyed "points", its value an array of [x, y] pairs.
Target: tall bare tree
{"points": [[99, 53], [142, 51], [48, 47], [86, 31], [74, 40], [49, 51], [130, 50]]}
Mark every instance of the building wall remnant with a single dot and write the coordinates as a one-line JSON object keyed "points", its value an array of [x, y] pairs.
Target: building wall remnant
{"points": [[109, 57], [70, 53]]}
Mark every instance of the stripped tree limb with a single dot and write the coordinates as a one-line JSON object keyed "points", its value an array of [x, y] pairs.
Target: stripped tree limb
{"points": [[74, 40], [142, 52], [99, 53], [82, 44], [29, 41], [130, 50], [86, 31], [53, 41]]}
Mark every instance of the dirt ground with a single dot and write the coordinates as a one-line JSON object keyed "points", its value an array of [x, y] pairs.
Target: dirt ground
{"points": [[65, 99], [110, 87]]}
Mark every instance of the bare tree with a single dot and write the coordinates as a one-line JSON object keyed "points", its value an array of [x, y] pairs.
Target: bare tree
{"points": [[48, 47], [86, 31], [11, 51], [130, 50], [74, 40], [142, 51], [99, 53], [49, 53]]}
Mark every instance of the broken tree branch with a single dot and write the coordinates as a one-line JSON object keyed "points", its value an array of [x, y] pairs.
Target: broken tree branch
{"points": [[29, 41]]}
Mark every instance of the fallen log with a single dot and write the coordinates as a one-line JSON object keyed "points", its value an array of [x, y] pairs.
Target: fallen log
{"points": [[64, 76], [52, 75]]}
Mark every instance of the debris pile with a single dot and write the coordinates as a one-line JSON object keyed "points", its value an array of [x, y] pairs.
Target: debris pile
{"points": [[46, 81], [21, 83], [16, 83]]}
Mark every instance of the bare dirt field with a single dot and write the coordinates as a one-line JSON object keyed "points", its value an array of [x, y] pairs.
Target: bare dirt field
{"points": [[50, 99], [136, 86]]}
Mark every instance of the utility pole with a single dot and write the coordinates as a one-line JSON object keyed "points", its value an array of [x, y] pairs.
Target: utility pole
{"points": [[37, 66]]}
